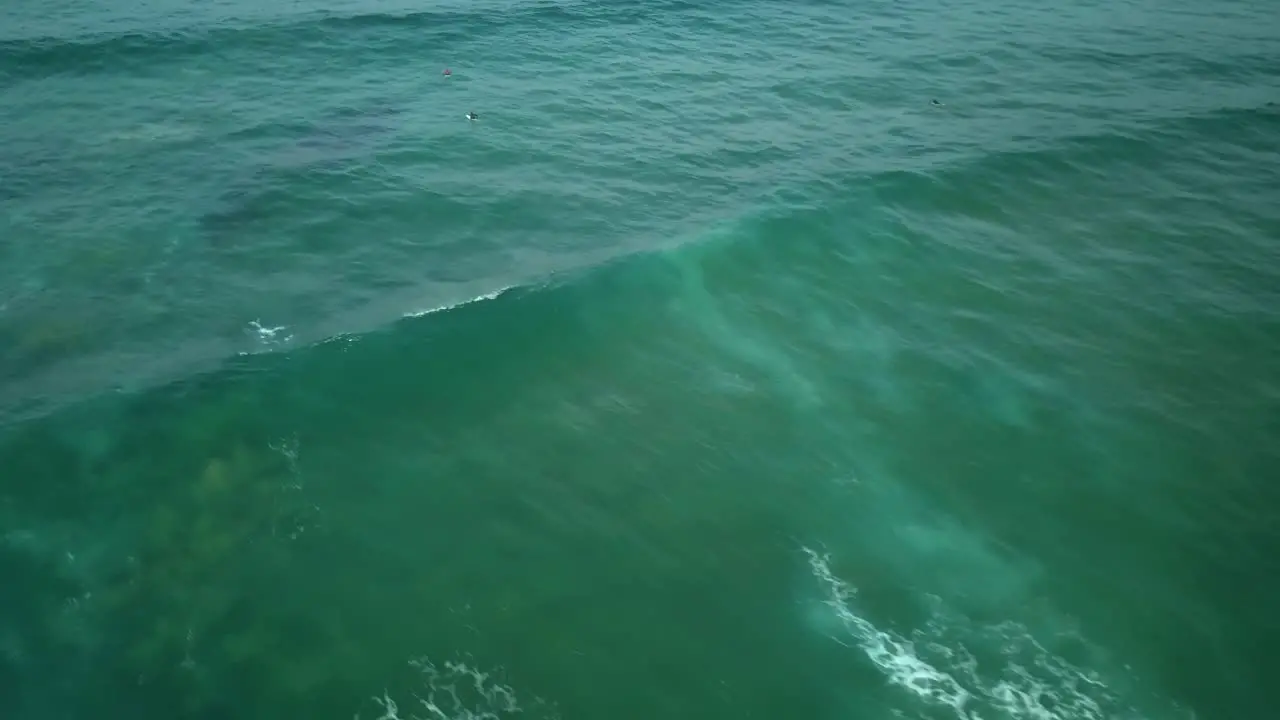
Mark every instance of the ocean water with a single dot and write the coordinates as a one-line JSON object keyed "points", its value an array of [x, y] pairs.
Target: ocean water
{"points": [[714, 372]]}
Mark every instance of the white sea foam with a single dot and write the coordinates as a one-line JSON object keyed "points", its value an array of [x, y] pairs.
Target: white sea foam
{"points": [[970, 670], [457, 691], [270, 335], [449, 306], [894, 655]]}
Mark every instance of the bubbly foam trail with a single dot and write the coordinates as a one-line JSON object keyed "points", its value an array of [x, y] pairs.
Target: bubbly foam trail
{"points": [[269, 335], [457, 691], [994, 672]]}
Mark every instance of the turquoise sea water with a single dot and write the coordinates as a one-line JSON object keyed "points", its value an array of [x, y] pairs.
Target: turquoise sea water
{"points": [[715, 372]]}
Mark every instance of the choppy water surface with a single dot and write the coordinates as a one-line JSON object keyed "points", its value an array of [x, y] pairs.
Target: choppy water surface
{"points": [[715, 371]]}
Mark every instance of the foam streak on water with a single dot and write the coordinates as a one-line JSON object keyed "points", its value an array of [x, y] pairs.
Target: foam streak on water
{"points": [[456, 691], [935, 664]]}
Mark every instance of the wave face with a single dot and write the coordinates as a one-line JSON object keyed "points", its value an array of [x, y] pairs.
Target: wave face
{"points": [[714, 372]]}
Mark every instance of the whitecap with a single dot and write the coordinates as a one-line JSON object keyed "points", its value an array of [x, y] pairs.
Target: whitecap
{"points": [[449, 306], [974, 670]]}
